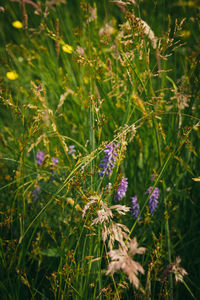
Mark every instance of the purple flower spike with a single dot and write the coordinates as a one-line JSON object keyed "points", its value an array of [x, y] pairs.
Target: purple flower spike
{"points": [[36, 192], [153, 200], [121, 191], [135, 208], [108, 163], [72, 149], [54, 161], [40, 157]]}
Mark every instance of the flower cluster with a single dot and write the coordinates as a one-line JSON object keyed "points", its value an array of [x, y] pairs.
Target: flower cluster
{"points": [[135, 207], [72, 149], [52, 167], [54, 161], [153, 200], [108, 163], [121, 191], [152, 204], [40, 157]]}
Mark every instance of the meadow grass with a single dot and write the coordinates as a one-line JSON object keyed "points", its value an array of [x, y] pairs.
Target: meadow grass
{"points": [[99, 150]]}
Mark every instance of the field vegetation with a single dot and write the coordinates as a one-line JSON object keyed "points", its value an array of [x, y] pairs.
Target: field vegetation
{"points": [[99, 149]]}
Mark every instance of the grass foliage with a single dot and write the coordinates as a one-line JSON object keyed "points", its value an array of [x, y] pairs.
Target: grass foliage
{"points": [[77, 77]]}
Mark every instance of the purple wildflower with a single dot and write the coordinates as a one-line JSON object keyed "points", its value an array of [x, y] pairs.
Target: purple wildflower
{"points": [[121, 191], [52, 167], [55, 161], [72, 149], [153, 202], [108, 163], [40, 157], [36, 192], [135, 207]]}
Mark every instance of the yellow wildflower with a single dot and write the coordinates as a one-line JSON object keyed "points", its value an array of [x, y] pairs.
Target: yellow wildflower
{"points": [[86, 79], [17, 24], [12, 75], [67, 48]]}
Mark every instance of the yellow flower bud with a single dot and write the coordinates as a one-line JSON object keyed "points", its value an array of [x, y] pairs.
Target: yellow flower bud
{"points": [[67, 48], [17, 24], [12, 75]]}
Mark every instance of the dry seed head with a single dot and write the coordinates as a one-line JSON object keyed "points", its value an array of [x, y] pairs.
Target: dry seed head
{"points": [[122, 259], [93, 199], [104, 215], [92, 13], [178, 271], [115, 232], [63, 98]]}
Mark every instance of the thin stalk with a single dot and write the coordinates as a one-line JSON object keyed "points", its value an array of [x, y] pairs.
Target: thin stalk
{"points": [[99, 262], [167, 231], [113, 279], [24, 14], [57, 38], [165, 204], [189, 290], [91, 112]]}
